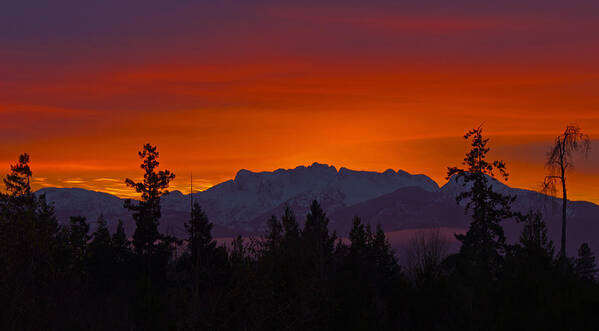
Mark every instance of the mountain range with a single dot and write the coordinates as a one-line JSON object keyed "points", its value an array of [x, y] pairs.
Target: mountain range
{"points": [[400, 202]]}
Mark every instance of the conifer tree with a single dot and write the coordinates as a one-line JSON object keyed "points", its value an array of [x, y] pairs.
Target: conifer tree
{"points": [[316, 229], [384, 255], [78, 237], [29, 250], [199, 232], [100, 251], [17, 182], [147, 212], [484, 243], [289, 223], [152, 248], [358, 236], [534, 237], [316, 236], [101, 236], [199, 237], [274, 234], [200, 245], [585, 262], [237, 254], [120, 244], [532, 258]]}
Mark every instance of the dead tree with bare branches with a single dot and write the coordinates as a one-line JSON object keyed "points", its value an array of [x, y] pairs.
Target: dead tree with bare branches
{"points": [[560, 159]]}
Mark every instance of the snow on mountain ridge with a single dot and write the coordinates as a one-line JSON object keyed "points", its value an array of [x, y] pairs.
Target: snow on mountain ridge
{"points": [[250, 194]]}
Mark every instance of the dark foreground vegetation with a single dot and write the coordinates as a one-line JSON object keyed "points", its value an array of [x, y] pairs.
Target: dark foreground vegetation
{"points": [[298, 276]]}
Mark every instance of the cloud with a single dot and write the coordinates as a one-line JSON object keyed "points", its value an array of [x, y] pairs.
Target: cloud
{"points": [[106, 180], [74, 181]]}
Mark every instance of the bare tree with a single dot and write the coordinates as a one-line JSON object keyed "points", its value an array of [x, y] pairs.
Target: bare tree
{"points": [[560, 158], [425, 252]]}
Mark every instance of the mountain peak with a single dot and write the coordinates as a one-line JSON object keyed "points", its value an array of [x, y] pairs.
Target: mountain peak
{"points": [[242, 173], [322, 166]]}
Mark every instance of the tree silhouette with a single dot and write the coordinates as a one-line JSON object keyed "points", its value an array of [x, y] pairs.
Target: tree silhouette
{"points": [[424, 254], [316, 227], [199, 235], [289, 223], [484, 243], [78, 237], [100, 251], [120, 243], [274, 233], [534, 237], [30, 252], [101, 235], [238, 252], [559, 160], [200, 244], [293, 277], [316, 234], [147, 212], [585, 262], [17, 182], [152, 248], [359, 237]]}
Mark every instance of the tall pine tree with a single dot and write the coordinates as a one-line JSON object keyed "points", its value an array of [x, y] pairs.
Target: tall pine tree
{"points": [[147, 212], [484, 243], [585, 262]]}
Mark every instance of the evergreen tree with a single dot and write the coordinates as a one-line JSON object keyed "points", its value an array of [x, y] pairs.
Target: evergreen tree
{"points": [[101, 236], [201, 251], [274, 234], [200, 243], [78, 238], [100, 251], [534, 237], [384, 255], [29, 252], [316, 236], [120, 243], [316, 261], [316, 229], [18, 200], [147, 212], [153, 249], [17, 182], [484, 243], [237, 254], [289, 223], [585, 262], [358, 236], [199, 232]]}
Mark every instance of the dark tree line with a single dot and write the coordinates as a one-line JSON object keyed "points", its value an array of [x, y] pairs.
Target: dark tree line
{"points": [[297, 276]]}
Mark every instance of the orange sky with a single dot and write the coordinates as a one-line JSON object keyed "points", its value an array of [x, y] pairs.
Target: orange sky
{"points": [[275, 85]]}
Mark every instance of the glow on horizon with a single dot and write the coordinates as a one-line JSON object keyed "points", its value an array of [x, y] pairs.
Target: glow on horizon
{"points": [[275, 85]]}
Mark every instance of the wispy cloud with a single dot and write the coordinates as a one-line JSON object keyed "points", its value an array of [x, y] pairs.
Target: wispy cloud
{"points": [[106, 180], [74, 181]]}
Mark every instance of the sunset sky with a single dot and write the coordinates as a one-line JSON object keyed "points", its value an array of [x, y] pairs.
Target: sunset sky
{"points": [[223, 85]]}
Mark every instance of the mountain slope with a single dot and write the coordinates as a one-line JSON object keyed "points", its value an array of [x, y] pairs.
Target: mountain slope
{"points": [[396, 200], [251, 194], [234, 203]]}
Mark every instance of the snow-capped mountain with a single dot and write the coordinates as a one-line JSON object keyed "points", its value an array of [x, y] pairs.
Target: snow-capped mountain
{"points": [[251, 194], [235, 203], [396, 200]]}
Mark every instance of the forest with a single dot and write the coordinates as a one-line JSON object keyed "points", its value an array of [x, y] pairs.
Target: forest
{"points": [[299, 275]]}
